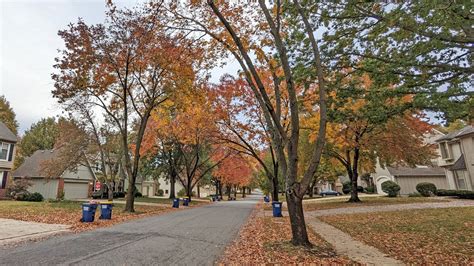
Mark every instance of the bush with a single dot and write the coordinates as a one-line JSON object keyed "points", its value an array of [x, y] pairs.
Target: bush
{"points": [[426, 189], [22, 196], [35, 197], [160, 192], [414, 194], [138, 194], [465, 194], [181, 193], [19, 186], [447, 192], [119, 194], [391, 188], [360, 189], [370, 190]]}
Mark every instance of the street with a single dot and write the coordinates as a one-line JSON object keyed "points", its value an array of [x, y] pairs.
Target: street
{"points": [[196, 236]]}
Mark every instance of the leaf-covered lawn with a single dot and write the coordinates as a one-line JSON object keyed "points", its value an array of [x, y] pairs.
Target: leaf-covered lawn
{"points": [[265, 240], [342, 203], [429, 236], [70, 213]]}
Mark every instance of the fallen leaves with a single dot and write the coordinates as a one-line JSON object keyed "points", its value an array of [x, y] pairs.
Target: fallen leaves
{"points": [[265, 240], [430, 236]]}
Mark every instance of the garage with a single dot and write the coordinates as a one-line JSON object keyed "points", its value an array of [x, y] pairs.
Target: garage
{"points": [[76, 189], [407, 178]]}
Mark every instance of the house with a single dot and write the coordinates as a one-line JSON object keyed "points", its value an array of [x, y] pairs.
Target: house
{"points": [[457, 158], [408, 177], [165, 184], [75, 184], [7, 156]]}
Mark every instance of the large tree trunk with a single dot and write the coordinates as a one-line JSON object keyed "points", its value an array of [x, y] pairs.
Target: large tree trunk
{"points": [[198, 191], [243, 192], [275, 188], [235, 192], [298, 224], [110, 191], [354, 175], [172, 186], [189, 189]]}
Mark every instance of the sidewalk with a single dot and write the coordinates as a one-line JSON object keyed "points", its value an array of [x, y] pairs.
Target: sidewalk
{"points": [[14, 231]]}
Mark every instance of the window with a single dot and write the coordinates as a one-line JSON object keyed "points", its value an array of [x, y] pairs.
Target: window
{"points": [[460, 179], [445, 152], [4, 151], [166, 191]]}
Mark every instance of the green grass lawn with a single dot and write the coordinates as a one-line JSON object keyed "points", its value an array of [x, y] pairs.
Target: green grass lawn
{"points": [[430, 236]]}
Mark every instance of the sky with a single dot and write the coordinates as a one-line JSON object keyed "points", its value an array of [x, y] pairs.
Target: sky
{"points": [[29, 44]]}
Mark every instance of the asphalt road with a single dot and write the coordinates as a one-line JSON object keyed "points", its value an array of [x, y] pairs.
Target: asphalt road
{"points": [[196, 236]]}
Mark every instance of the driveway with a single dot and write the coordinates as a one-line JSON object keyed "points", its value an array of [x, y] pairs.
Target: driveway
{"points": [[196, 236], [13, 231]]}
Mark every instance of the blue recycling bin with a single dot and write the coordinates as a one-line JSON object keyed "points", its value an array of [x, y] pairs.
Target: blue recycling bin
{"points": [[88, 212], [186, 202], [266, 199], [175, 203], [105, 211], [214, 198], [276, 209]]}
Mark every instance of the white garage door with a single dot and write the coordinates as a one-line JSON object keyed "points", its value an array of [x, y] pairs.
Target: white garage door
{"points": [[75, 190]]}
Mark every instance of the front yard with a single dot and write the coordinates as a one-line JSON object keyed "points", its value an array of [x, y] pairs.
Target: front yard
{"points": [[428, 236], [70, 213], [264, 240]]}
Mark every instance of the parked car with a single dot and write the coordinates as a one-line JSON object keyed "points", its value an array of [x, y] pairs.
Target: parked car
{"points": [[329, 193]]}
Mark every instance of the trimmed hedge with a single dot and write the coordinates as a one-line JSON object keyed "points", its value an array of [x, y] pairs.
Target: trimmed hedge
{"points": [[426, 189], [391, 188], [35, 197], [463, 194]]}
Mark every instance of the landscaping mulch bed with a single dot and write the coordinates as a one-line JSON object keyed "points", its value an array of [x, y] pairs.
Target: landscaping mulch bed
{"points": [[429, 236], [266, 240]]}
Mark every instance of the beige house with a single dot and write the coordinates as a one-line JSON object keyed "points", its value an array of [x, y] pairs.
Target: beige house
{"points": [[75, 184], [408, 177], [457, 158], [7, 155]]}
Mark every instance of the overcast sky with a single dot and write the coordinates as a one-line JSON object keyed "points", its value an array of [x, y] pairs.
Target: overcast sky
{"points": [[29, 43]]}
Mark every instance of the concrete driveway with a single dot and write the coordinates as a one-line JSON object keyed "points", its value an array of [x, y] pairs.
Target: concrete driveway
{"points": [[13, 231], [196, 236]]}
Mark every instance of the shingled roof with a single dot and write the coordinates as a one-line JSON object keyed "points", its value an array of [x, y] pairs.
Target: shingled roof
{"points": [[416, 171], [456, 134], [6, 134], [32, 165]]}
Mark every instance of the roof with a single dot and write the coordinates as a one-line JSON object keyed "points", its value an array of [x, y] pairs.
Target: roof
{"points": [[7, 134], [456, 134], [31, 167], [416, 171], [460, 164]]}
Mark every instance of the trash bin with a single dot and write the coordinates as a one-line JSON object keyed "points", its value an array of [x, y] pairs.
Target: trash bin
{"points": [[266, 199], [276, 209], [88, 212], [175, 203], [213, 198], [105, 211], [186, 202]]}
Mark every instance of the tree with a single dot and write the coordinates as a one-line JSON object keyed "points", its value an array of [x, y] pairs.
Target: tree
{"points": [[7, 115], [234, 171], [232, 27], [125, 67], [422, 47], [42, 135]]}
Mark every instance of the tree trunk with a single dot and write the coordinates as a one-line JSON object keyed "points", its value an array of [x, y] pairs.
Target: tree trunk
{"points": [[129, 207], [198, 191], [298, 224], [228, 191], [220, 190], [235, 192], [354, 176], [110, 193], [275, 189], [189, 189], [311, 190], [172, 186], [243, 192], [217, 188]]}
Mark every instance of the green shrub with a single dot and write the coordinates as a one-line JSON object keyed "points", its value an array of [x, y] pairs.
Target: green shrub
{"points": [[160, 192], [35, 197], [360, 189], [18, 186], [446, 192], [370, 190], [426, 189], [22, 196], [414, 194], [391, 188], [465, 194], [182, 193]]}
